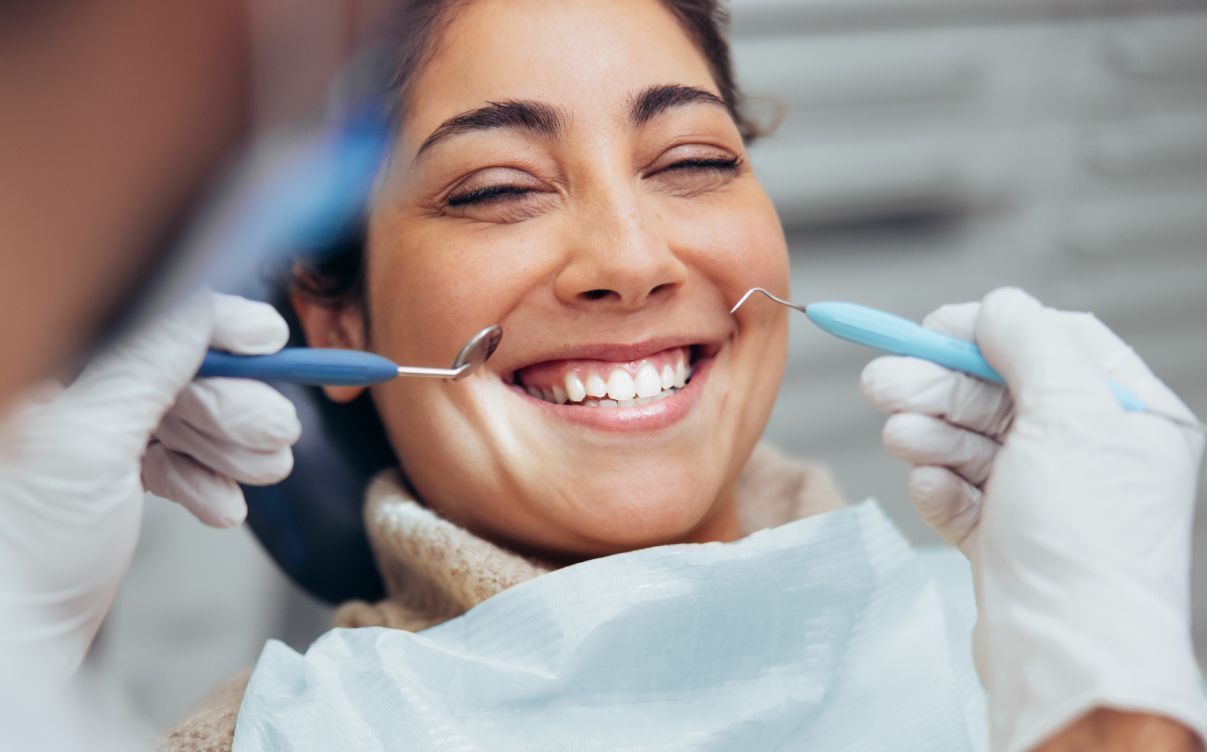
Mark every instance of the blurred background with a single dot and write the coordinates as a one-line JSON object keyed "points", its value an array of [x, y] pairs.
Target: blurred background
{"points": [[929, 151]]}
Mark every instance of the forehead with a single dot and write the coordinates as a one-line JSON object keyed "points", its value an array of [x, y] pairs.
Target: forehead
{"points": [[587, 57]]}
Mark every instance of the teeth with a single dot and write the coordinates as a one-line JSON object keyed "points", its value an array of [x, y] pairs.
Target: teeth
{"points": [[575, 391], [621, 389], [596, 386], [648, 383], [621, 385], [590, 402]]}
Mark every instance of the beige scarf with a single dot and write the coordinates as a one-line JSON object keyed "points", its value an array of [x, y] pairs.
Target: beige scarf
{"points": [[435, 570]]}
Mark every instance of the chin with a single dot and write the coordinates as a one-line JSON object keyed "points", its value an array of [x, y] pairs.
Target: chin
{"points": [[629, 514]]}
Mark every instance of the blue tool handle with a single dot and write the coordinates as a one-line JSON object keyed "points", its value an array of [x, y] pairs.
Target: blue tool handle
{"points": [[894, 334], [302, 365]]}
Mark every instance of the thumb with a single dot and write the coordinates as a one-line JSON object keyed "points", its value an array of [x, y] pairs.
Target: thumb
{"points": [[1042, 365], [127, 389]]}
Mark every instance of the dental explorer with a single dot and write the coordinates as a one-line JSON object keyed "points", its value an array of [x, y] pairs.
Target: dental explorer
{"points": [[328, 367], [893, 334]]}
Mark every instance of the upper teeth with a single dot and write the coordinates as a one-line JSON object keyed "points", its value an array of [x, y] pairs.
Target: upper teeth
{"points": [[619, 389]]}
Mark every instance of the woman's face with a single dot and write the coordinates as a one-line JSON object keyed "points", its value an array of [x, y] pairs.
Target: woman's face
{"points": [[566, 170]]}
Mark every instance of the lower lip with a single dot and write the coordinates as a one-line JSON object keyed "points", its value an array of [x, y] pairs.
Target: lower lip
{"points": [[652, 417]]}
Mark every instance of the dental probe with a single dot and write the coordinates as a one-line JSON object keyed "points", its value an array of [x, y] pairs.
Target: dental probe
{"points": [[899, 336], [326, 367]]}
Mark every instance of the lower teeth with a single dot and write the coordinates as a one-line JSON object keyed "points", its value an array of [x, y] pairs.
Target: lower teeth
{"points": [[625, 403], [604, 402]]}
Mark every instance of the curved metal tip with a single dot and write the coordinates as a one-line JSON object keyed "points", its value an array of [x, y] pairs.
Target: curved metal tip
{"points": [[765, 292], [477, 351]]}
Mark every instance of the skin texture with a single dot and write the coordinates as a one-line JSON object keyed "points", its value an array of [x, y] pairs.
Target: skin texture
{"points": [[609, 247], [1108, 730]]}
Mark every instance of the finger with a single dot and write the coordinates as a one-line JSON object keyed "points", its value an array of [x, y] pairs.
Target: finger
{"points": [[894, 384], [243, 464], [212, 498], [946, 502], [1040, 362], [922, 440], [239, 411], [1103, 347], [247, 327], [955, 320], [143, 373], [1120, 363]]}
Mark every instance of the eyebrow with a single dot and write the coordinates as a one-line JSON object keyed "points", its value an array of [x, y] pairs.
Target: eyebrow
{"points": [[546, 120], [518, 114], [657, 99]]}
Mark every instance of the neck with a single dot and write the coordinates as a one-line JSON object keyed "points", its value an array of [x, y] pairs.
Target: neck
{"points": [[721, 524]]}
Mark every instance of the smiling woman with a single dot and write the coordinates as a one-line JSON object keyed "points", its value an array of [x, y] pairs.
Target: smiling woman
{"points": [[583, 182], [577, 173]]}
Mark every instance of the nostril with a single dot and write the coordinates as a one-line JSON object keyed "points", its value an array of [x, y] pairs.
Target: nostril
{"points": [[596, 294]]}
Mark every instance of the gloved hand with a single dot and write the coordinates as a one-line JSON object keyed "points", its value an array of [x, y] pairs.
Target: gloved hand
{"points": [[1075, 515], [73, 470]]}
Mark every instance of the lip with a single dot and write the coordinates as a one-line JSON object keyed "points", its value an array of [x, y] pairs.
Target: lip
{"points": [[643, 418]]}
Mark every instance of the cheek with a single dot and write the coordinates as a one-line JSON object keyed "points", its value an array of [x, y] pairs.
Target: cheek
{"points": [[430, 289], [737, 242]]}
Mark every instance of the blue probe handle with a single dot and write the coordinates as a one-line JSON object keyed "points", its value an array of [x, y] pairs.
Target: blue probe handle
{"points": [[894, 334], [302, 365]]}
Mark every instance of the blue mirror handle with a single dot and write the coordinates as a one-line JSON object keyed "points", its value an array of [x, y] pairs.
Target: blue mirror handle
{"points": [[302, 365], [900, 336]]}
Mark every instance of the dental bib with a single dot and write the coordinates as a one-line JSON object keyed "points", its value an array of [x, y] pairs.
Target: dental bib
{"points": [[828, 633]]}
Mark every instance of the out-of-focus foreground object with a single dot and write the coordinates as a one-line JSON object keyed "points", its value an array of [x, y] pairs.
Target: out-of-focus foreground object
{"points": [[1076, 515], [73, 467], [120, 120]]}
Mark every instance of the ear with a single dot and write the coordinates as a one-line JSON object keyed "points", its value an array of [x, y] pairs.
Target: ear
{"points": [[335, 326]]}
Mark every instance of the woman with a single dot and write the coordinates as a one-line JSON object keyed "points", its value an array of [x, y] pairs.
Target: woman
{"points": [[576, 172]]}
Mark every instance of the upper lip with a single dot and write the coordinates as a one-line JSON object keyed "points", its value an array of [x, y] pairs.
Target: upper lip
{"points": [[615, 352]]}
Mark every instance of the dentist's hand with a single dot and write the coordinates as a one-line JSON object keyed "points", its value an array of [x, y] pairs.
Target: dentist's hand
{"points": [[1076, 515], [73, 469]]}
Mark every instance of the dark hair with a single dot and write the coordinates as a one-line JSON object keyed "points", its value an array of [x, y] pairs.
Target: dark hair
{"points": [[334, 276]]}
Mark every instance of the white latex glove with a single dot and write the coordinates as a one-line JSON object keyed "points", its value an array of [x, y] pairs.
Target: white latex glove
{"points": [[1075, 515], [73, 471]]}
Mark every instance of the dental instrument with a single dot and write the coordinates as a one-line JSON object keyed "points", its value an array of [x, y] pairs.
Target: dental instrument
{"points": [[330, 367], [893, 334]]}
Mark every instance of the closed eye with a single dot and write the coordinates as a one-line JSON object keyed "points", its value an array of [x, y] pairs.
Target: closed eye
{"points": [[730, 164], [488, 194]]}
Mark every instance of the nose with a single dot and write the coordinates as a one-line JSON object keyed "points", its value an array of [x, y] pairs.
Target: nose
{"points": [[617, 260]]}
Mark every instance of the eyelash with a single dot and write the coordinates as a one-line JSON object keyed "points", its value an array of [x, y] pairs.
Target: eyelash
{"points": [[487, 194], [723, 165], [493, 193]]}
